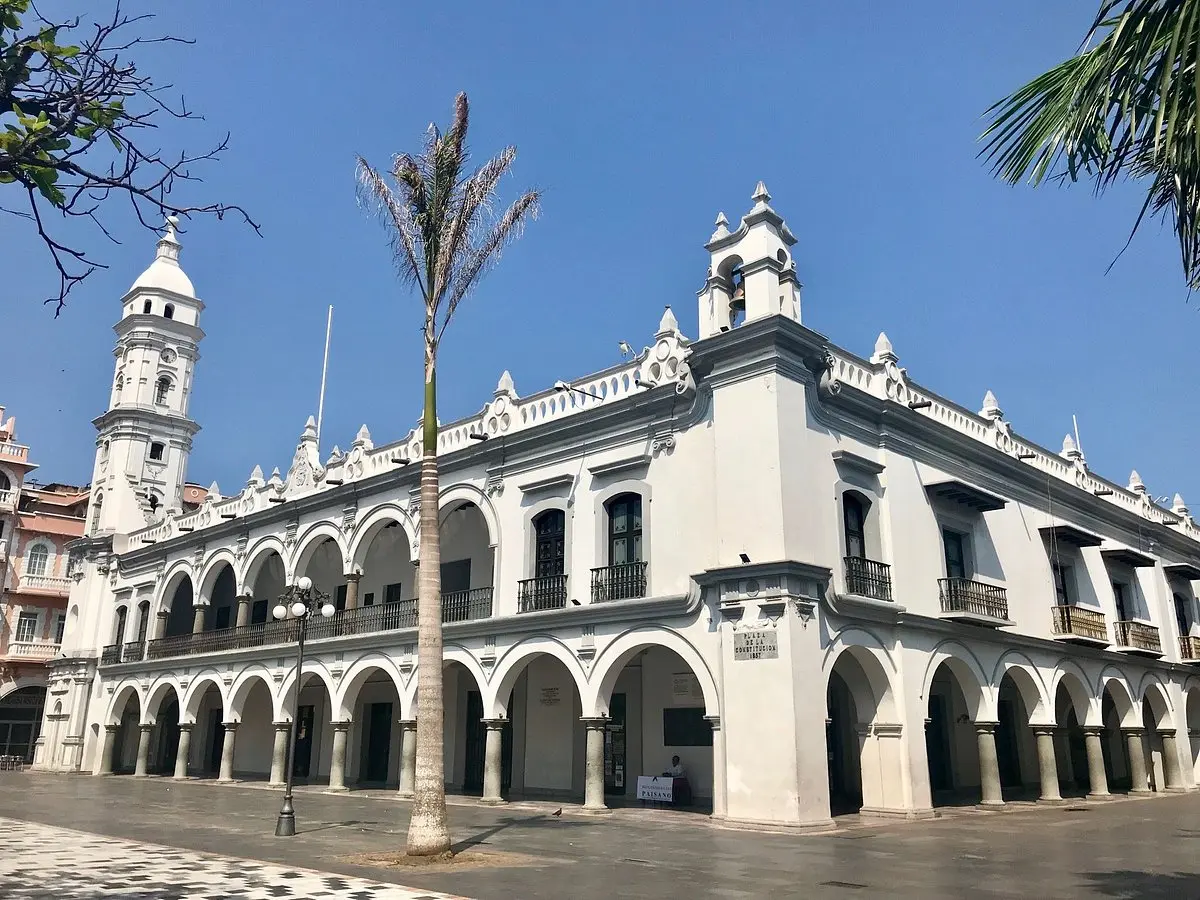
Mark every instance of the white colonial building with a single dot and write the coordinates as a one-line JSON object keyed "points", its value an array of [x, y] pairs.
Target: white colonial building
{"points": [[821, 585]]}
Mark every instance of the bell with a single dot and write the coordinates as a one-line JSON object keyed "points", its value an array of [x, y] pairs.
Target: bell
{"points": [[737, 303]]}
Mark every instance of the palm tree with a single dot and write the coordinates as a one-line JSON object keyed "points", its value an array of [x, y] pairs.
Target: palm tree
{"points": [[1123, 108], [445, 236]]}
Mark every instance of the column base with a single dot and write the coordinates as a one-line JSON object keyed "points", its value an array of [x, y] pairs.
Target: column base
{"points": [[405, 795], [1141, 791], [1179, 790], [1050, 801], [1100, 797], [493, 801], [141, 774], [998, 805], [184, 778], [337, 790], [276, 784], [595, 810], [228, 780], [880, 812]]}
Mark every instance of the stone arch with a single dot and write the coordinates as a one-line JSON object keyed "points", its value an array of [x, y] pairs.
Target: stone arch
{"points": [[510, 666], [159, 691], [24, 681], [870, 679], [170, 582], [374, 522], [212, 570], [196, 689], [1029, 683], [258, 555], [244, 684], [1116, 686], [357, 674], [613, 658], [1154, 694], [285, 699], [976, 687], [312, 539], [1070, 678], [450, 497], [121, 698]]}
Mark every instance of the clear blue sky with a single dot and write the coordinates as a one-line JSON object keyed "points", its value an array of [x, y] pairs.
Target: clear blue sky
{"points": [[639, 121]]}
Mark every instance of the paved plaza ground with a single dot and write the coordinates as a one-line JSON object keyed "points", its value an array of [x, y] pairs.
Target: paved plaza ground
{"points": [[1124, 848]]}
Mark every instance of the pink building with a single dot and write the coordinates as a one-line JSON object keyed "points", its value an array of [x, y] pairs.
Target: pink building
{"points": [[36, 523]]}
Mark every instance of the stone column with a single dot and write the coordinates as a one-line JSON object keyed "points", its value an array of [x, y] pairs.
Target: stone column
{"points": [[279, 752], [989, 765], [227, 752], [243, 610], [107, 748], [142, 769], [1137, 760], [352, 590], [718, 787], [408, 757], [337, 764], [184, 751], [198, 618], [1047, 765], [593, 785], [1171, 769], [1095, 757], [160, 626], [492, 774]]}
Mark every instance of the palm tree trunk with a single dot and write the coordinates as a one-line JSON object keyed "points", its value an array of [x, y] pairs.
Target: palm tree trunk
{"points": [[428, 830]]}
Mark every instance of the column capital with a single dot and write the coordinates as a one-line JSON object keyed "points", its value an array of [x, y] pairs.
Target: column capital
{"points": [[145, 726], [353, 576], [186, 726], [985, 727], [279, 726], [714, 721], [230, 726], [111, 729], [494, 724], [1045, 729], [341, 726], [1096, 730], [1133, 730], [163, 613], [407, 723], [595, 722], [1167, 733]]}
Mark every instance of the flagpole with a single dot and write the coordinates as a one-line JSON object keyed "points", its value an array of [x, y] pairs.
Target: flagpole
{"points": [[324, 371]]}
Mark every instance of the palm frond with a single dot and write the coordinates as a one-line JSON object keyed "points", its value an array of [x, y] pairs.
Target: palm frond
{"points": [[1124, 107], [406, 235]]}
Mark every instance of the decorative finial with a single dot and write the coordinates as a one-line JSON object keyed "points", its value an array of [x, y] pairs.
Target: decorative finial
{"points": [[256, 477], [1135, 483], [363, 436], [214, 492], [722, 230], [310, 430], [760, 195], [335, 456], [991, 409], [275, 478], [168, 244], [883, 350], [1070, 449], [1178, 506], [505, 385], [668, 324]]}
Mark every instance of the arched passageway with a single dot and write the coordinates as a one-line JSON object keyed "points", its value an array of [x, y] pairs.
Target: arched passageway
{"points": [[266, 583], [468, 563], [1193, 725], [863, 736], [21, 721], [125, 734], [259, 740], [465, 734], [1115, 713], [1016, 742], [953, 737], [180, 598], [372, 703], [164, 747], [323, 564], [213, 741], [1070, 712], [315, 731]]}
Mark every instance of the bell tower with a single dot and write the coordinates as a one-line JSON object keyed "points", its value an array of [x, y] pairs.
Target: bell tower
{"points": [[752, 273], [145, 436]]}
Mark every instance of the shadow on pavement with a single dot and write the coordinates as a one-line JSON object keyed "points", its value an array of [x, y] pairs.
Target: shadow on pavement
{"points": [[1144, 885]]}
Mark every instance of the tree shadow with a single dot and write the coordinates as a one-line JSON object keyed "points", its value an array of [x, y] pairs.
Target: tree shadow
{"points": [[542, 820], [328, 825], [1144, 885]]}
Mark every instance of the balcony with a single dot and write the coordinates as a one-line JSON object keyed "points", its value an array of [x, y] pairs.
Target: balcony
{"points": [[974, 602], [35, 650], [7, 500], [110, 655], [626, 581], [1077, 625], [10, 452], [51, 584], [466, 606], [868, 578], [134, 651], [1137, 637], [547, 592], [1189, 649]]}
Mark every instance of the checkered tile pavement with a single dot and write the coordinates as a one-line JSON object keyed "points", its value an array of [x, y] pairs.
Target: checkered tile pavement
{"points": [[40, 862]]}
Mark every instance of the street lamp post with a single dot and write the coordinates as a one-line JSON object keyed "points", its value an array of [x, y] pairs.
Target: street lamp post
{"points": [[301, 601]]}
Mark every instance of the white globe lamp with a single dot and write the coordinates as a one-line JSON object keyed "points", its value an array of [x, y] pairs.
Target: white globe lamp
{"points": [[328, 610], [298, 609], [304, 583], [280, 611]]}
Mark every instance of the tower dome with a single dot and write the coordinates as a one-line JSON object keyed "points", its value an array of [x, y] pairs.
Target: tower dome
{"points": [[164, 274]]}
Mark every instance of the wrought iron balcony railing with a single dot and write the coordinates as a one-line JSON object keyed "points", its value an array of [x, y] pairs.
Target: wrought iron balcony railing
{"points": [[1080, 622], [626, 581], [962, 595], [1137, 636], [868, 578], [546, 592], [110, 655], [1189, 647], [465, 606]]}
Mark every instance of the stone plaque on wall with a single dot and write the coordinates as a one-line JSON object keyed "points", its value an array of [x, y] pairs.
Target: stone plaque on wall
{"points": [[550, 696], [761, 644]]}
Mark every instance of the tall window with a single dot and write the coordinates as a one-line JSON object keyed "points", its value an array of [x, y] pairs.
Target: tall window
{"points": [[1063, 588], [161, 388], [118, 386], [38, 557], [550, 534], [27, 627], [60, 627], [954, 544], [97, 507], [168, 311], [1120, 594], [147, 306], [5, 484], [119, 630], [144, 619], [156, 451], [392, 593], [624, 529], [854, 516], [1182, 617]]}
